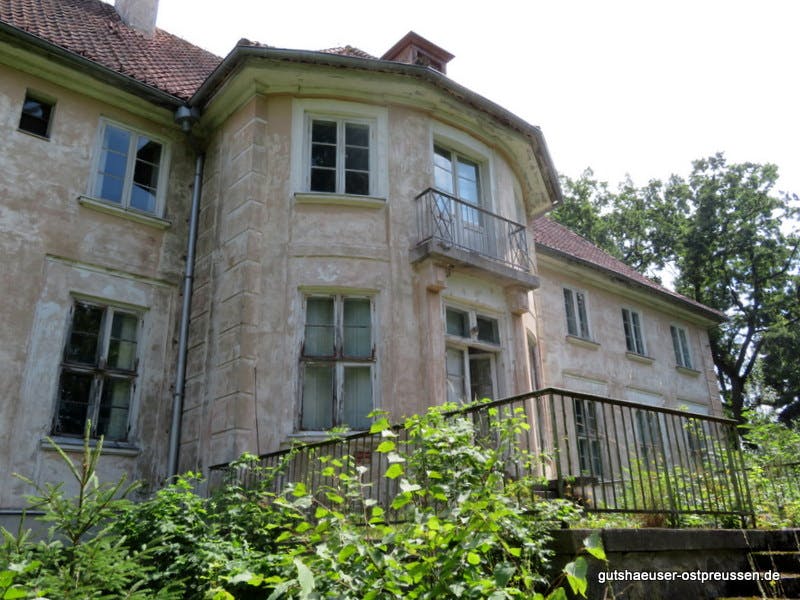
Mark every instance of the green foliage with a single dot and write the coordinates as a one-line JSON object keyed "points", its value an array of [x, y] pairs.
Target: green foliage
{"points": [[727, 236], [773, 468], [458, 527]]}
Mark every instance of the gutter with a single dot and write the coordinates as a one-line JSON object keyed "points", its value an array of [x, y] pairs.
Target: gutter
{"points": [[94, 69], [186, 117], [240, 53]]}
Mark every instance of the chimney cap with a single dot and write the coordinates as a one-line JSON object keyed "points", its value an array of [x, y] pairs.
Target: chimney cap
{"points": [[414, 49]]}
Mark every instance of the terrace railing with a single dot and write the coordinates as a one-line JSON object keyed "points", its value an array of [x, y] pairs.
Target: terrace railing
{"points": [[608, 455], [454, 223]]}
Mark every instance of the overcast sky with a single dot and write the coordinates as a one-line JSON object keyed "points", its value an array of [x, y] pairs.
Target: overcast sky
{"points": [[639, 87]]}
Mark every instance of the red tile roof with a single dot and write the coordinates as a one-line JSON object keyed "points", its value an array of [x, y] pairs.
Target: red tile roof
{"points": [[559, 240], [94, 30], [349, 51]]}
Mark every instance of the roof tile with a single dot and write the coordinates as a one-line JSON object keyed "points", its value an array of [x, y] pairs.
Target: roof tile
{"points": [[94, 30]]}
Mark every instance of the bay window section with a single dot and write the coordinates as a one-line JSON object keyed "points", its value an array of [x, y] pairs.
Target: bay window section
{"points": [[337, 363]]}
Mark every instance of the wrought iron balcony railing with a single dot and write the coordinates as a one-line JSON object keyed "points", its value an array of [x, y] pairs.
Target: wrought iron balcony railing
{"points": [[454, 223]]}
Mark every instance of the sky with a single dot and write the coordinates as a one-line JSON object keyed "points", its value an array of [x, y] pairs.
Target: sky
{"points": [[639, 88]]}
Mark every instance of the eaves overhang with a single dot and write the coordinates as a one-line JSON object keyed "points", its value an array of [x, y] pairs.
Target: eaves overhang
{"points": [[646, 293], [18, 37], [241, 53]]}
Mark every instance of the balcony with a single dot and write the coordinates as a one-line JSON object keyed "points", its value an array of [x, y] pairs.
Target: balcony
{"points": [[471, 238]]}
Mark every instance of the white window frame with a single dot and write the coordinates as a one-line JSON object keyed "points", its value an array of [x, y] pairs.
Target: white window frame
{"points": [[681, 347], [95, 180], [340, 170], [99, 371], [304, 111], [632, 318], [338, 361], [464, 344], [581, 324]]}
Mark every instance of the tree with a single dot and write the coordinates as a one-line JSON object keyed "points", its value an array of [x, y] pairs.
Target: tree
{"points": [[733, 244]]}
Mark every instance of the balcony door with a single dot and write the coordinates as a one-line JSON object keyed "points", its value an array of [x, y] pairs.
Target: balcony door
{"points": [[461, 222]]}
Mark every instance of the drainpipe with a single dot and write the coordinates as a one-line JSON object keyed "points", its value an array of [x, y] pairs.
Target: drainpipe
{"points": [[186, 117]]}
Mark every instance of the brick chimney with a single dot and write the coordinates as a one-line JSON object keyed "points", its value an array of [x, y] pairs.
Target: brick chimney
{"points": [[413, 49], [139, 14]]}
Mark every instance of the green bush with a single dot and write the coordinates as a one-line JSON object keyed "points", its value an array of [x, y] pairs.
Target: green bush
{"points": [[458, 527]]}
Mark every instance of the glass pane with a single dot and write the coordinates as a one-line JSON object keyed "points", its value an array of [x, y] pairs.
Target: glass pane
{"points": [[116, 139], [323, 131], [319, 337], [488, 330], [356, 158], [357, 401], [74, 394], [323, 155], [582, 318], [112, 420], [687, 359], [356, 134], [637, 332], [357, 328], [122, 345], [455, 375], [480, 378], [143, 198], [626, 325], [82, 345], [323, 180], [317, 411], [457, 322], [676, 345], [356, 182], [114, 163], [468, 181], [110, 188], [569, 307], [442, 170]]}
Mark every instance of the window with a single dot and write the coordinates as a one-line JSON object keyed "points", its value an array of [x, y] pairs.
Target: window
{"points": [[340, 156], [681, 346], [98, 372], [577, 320], [587, 435], [456, 175], [473, 342], [337, 361], [130, 169], [36, 115], [632, 324]]}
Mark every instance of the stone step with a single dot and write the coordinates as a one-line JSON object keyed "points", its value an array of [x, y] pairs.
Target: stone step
{"points": [[783, 562], [787, 587]]}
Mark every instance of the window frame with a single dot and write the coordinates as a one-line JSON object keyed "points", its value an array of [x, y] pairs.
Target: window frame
{"points": [[471, 347], [341, 152], [338, 361], [588, 437], [95, 181], [681, 347], [99, 371], [44, 100], [633, 330], [580, 324], [303, 112]]}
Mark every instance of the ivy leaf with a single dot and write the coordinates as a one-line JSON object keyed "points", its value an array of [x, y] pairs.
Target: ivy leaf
{"points": [[306, 579], [576, 575], [594, 546]]}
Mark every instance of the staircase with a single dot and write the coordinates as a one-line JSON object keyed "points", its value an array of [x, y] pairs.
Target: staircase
{"points": [[786, 563]]}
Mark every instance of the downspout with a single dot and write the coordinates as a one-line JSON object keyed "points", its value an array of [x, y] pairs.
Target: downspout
{"points": [[186, 117]]}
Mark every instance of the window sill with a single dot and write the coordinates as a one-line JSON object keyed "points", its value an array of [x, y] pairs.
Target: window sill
{"points": [[339, 199], [640, 358], [687, 371], [70, 444], [131, 215], [38, 136], [582, 342]]}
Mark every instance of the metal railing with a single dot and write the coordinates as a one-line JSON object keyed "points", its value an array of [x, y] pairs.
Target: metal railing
{"points": [[608, 455], [455, 223]]}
